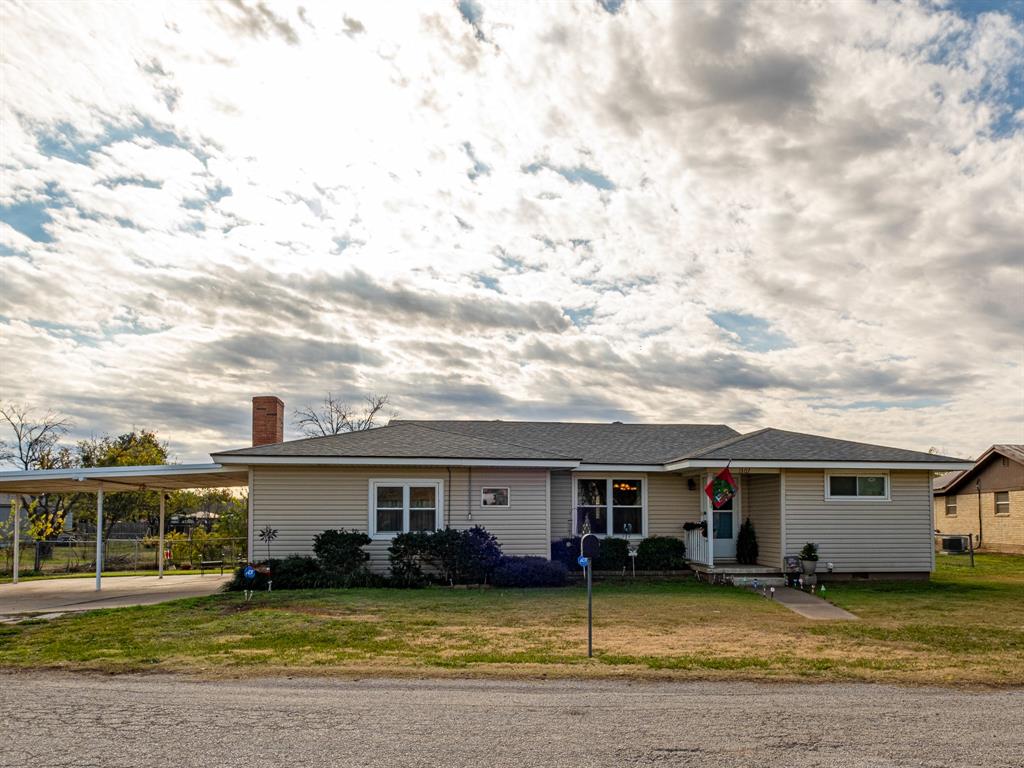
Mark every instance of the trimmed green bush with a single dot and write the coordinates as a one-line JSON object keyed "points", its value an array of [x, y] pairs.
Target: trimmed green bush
{"points": [[450, 556], [565, 551], [341, 552], [408, 555], [296, 572], [529, 572], [661, 553], [613, 555]]}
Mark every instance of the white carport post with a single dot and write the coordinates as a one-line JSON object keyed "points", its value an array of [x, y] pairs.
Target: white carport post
{"points": [[99, 536], [160, 559], [16, 511]]}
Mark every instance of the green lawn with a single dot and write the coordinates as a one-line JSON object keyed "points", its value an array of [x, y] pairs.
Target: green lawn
{"points": [[965, 626]]}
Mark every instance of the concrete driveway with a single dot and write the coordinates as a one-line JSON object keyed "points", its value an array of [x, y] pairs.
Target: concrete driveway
{"points": [[62, 595]]}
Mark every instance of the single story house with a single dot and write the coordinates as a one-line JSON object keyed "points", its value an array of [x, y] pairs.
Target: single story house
{"points": [[985, 501], [867, 507]]}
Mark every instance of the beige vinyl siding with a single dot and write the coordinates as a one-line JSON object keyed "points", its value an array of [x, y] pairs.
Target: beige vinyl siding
{"points": [[522, 527], [561, 504], [862, 536], [300, 502], [760, 502], [670, 504]]}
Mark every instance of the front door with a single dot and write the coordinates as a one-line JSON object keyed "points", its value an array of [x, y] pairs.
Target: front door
{"points": [[726, 525], [725, 533]]}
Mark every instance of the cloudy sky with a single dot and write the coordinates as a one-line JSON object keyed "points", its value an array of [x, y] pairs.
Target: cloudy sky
{"points": [[801, 215]]}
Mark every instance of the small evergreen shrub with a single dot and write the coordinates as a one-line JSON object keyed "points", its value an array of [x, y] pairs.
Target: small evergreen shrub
{"points": [[746, 544], [293, 572], [450, 556], [613, 555], [478, 555], [661, 553], [529, 572], [341, 552], [809, 552], [408, 554], [566, 551]]}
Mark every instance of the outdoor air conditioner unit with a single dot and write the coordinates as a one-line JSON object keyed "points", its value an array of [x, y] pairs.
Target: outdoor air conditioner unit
{"points": [[954, 544]]}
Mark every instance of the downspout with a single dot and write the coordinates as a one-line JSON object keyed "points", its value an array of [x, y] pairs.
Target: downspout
{"points": [[469, 493], [977, 486], [448, 501]]}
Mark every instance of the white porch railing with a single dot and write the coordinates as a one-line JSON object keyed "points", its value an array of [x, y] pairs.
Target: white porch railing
{"points": [[697, 549]]}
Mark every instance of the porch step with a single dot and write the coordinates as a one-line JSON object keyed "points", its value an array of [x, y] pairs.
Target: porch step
{"points": [[735, 569]]}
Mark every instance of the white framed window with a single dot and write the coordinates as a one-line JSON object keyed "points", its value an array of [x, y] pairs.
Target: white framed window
{"points": [[1002, 502], [857, 486], [951, 506], [613, 505], [494, 497], [401, 506]]}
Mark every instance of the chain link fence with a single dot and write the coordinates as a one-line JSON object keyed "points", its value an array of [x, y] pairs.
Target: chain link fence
{"points": [[78, 555]]}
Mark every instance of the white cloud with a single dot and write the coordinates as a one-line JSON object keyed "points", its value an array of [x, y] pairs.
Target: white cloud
{"points": [[203, 174]]}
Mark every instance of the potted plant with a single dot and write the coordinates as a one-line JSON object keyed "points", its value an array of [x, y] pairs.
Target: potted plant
{"points": [[809, 557]]}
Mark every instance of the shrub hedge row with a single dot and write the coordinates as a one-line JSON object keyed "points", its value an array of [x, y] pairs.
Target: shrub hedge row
{"points": [[451, 556], [656, 553]]}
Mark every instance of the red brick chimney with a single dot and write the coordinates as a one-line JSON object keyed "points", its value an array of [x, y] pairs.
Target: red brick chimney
{"points": [[267, 420]]}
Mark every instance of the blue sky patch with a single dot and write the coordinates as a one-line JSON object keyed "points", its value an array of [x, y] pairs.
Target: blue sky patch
{"points": [[581, 174], [67, 143], [479, 168], [752, 332], [580, 317], [29, 217]]}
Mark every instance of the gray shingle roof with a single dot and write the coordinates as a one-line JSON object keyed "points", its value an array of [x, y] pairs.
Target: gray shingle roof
{"points": [[400, 440], [589, 443], [779, 445], [614, 443]]}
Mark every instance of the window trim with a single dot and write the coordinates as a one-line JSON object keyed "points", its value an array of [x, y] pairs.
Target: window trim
{"points": [[950, 509], [609, 477], [995, 504], [858, 499], [508, 496], [406, 483]]}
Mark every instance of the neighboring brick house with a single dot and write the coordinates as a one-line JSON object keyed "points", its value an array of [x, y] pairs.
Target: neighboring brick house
{"points": [[996, 482]]}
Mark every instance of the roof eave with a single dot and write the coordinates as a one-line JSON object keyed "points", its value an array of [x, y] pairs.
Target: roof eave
{"points": [[934, 466]]}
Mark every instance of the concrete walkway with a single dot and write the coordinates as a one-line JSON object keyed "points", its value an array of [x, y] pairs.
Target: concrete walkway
{"points": [[62, 595], [810, 606]]}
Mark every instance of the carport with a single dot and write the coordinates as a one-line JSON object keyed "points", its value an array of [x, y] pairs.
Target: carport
{"points": [[103, 480]]}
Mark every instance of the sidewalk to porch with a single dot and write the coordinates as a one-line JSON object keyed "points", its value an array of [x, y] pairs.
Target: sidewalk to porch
{"points": [[811, 606]]}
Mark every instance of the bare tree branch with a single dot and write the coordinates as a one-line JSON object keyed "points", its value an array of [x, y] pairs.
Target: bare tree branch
{"points": [[34, 437], [334, 417], [35, 445]]}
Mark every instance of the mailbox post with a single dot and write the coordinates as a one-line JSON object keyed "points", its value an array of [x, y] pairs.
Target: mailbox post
{"points": [[590, 546]]}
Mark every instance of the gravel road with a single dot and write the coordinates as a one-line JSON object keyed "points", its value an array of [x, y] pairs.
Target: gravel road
{"points": [[71, 720]]}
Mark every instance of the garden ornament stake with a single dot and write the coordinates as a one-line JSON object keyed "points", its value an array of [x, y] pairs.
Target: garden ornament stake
{"points": [[268, 534]]}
